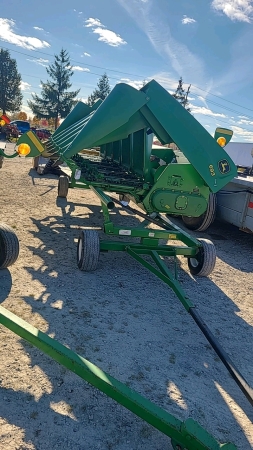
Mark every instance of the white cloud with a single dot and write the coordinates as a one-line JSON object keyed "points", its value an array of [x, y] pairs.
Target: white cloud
{"points": [[107, 36], [245, 122], [86, 54], [93, 23], [242, 117], [38, 28], [40, 61], [24, 86], [244, 134], [241, 10], [83, 99], [80, 69], [187, 20], [137, 84], [204, 111], [8, 34], [26, 110], [167, 81]]}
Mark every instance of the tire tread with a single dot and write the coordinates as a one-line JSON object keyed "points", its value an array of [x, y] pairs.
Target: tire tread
{"points": [[10, 246], [209, 259], [90, 250], [63, 186]]}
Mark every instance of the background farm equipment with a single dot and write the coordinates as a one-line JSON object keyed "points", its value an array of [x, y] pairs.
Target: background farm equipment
{"points": [[8, 131], [42, 133], [129, 166]]}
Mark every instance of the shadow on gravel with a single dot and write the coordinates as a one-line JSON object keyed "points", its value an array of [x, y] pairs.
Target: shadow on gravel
{"points": [[234, 242], [5, 284], [122, 309]]}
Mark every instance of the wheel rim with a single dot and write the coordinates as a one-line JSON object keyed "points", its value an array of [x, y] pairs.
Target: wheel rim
{"points": [[194, 262]]}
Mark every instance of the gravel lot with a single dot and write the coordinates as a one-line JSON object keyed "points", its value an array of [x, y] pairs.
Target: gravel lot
{"points": [[121, 318]]}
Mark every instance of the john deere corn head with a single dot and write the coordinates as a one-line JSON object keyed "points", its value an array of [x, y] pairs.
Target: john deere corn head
{"points": [[108, 149]]}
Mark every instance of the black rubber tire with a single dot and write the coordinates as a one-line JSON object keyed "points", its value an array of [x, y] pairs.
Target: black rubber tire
{"points": [[88, 250], [35, 162], [204, 262], [204, 221], [9, 246], [63, 186]]}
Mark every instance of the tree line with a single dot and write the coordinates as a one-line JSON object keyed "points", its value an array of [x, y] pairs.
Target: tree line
{"points": [[56, 100]]}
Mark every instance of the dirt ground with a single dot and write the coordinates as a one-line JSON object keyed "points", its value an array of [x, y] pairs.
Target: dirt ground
{"points": [[123, 319]]}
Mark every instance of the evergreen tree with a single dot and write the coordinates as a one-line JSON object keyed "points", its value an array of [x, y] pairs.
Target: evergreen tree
{"points": [[10, 91], [181, 96], [102, 91], [55, 101]]}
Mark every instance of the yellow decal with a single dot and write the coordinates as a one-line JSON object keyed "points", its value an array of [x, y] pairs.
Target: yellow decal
{"points": [[212, 171], [172, 236], [35, 141], [224, 131]]}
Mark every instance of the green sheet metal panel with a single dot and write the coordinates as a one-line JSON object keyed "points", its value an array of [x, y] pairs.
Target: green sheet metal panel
{"points": [[116, 151], [137, 153], [116, 110], [169, 119], [80, 111], [126, 146]]}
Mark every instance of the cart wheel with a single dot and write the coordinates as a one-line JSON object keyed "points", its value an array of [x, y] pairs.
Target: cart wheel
{"points": [[9, 246], [124, 199], [63, 186], [204, 262], [88, 250], [204, 221], [36, 162]]}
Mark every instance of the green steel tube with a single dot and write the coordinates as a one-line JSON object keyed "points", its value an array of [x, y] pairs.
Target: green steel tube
{"points": [[8, 156], [103, 197], [188, 435]]}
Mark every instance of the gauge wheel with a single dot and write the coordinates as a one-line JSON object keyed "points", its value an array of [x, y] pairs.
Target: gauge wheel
{"points": [[88, 250], [203, 263], [63, 186], [9, 246]]}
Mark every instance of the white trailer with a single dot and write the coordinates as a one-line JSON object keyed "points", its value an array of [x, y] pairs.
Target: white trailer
{"points": [[235, 200]]}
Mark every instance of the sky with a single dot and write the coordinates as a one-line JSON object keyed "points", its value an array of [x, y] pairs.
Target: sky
{"points": [[207, 43]]}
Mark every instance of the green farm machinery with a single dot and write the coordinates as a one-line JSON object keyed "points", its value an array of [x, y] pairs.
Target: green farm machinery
{"points": [[108, 148]]}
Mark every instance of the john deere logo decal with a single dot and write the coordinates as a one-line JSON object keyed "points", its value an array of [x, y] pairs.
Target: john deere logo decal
{"points": [[224, 166]]}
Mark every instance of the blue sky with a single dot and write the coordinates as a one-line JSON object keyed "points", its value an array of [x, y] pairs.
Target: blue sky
{"points": [[208, 43]]}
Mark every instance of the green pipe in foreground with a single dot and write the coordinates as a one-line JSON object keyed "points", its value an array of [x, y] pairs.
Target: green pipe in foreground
{"points": [[184, 435], [106, 201]]}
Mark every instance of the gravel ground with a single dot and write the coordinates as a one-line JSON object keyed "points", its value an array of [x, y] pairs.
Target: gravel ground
{"points": [[121, 318]]}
